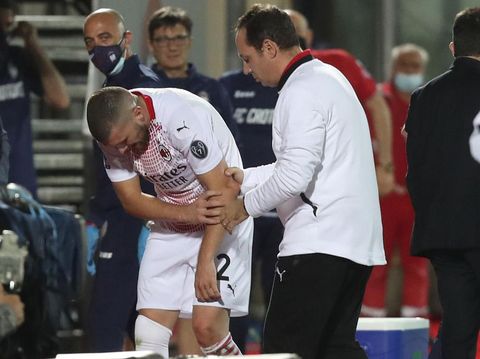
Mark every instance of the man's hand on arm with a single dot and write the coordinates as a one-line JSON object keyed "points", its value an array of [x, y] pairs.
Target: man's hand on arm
{"points": [[145, 206], [206, 286]]}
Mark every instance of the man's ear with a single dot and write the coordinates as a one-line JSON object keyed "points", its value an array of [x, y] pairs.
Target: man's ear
{"points": [[270, 48], [128, 39], [139, 116], [451, 46]]}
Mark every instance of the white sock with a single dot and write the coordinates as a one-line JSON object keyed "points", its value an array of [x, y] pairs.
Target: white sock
{"points": [[226, 346], [150, 335]]}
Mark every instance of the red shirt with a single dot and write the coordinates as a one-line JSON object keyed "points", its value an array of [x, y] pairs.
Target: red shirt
{"points": [[399, 109], [362, 82]]}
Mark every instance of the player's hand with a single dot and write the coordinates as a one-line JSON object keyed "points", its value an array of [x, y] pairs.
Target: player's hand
{"points": [[14, 301], [233, 214], [385, 181], [206, 289], [205, 209], [236, 173]]}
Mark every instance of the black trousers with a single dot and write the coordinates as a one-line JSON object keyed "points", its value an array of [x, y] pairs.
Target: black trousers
{"points": [[314, 307], [458, 277]]}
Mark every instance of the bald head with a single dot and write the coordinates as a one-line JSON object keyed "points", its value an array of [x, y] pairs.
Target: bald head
{"points": [[105, 27], [106, 108], [105, 16], [301, 26]]}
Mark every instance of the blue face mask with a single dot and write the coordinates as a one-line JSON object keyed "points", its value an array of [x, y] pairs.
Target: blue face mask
{"points": [[407, 82], [108, 59]]}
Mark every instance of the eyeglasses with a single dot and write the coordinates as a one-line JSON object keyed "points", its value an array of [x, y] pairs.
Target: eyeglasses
{"points": [[178, 40]]}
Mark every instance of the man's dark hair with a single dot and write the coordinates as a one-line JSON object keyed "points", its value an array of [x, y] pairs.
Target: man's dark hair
{"points": [[263, 22], [466, 32], [169, 16], [104, 109]]}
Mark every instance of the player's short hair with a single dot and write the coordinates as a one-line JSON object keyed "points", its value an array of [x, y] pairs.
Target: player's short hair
{"points": [[466, 32], [263, 22], [169, 16], [105, 108]]}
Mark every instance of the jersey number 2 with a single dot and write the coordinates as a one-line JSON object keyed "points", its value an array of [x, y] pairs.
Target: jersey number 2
{"points": [[224, 267]]}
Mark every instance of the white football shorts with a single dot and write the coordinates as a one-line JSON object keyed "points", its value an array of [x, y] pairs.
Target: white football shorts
{"points": [[167, 271]]}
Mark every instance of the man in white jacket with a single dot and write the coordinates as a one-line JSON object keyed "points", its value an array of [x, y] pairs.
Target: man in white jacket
{"points": [[323, 187]]}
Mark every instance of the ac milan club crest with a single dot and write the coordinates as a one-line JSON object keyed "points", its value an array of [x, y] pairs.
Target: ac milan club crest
{"points": [[165, 153]]}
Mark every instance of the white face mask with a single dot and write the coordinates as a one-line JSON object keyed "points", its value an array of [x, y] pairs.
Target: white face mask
{"points": [[475, 139], [407, 82]]}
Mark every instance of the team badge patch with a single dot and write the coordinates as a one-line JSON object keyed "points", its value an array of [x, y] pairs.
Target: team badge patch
{"points": [[165, 153], [199, 149]]}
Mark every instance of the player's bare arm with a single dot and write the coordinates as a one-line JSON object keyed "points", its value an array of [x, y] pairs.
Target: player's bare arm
{"points": [[206, 288], [145, 206]]}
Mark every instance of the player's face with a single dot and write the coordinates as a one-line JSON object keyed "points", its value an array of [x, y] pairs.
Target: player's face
{"points": [[102, 30], [130, 135], [170, 47], [254, 62]]}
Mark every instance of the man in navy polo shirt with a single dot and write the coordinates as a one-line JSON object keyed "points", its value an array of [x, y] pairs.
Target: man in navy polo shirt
{"points": [[112, 309], [170, 40]]}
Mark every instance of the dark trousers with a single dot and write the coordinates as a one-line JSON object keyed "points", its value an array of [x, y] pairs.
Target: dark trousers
{"points": [[267, 234], [314, 307], [458, 277], [112, 308]]}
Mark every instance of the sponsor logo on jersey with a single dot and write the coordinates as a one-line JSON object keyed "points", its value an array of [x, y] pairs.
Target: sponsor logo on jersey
{"points": [[167, 176], [244, 94], [199, 149], [165, 153]]}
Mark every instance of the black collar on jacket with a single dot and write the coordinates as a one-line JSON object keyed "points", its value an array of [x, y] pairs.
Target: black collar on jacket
{"points": [[464, 63]]}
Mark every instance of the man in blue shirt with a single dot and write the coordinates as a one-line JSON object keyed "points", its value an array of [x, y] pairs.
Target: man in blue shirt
{"points": [[112, 309], [24, 70], [170, 41], [253, 107]]}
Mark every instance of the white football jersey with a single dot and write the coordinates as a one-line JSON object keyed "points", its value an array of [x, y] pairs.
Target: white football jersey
{"points": [[187, 137]]}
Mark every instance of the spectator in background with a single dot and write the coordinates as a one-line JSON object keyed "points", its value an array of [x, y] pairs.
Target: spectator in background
{"points": [[443, 181], [371, 99], [112, 309], [408, 65], [11, 312], [475, 139], [170, 40], [24, 70], [253, 106]]}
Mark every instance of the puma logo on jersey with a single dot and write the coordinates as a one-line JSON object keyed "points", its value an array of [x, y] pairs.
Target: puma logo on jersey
{"points": [[280, 274], [231, 288], [184, 127]]}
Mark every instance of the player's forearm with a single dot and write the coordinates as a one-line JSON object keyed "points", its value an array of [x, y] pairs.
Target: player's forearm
{"points": [[148, 207], [212, 238], [382, 123]]}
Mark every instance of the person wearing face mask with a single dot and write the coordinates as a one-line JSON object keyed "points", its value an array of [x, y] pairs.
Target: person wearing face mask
{"points": [[24, 70], [112, 309], [408, 63]]}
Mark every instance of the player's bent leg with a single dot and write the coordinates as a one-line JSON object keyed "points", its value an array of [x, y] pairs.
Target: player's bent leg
{"points": [[211, 327], [153, 329]]}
